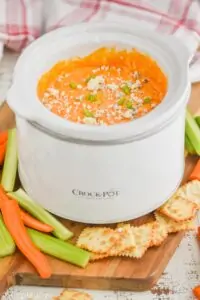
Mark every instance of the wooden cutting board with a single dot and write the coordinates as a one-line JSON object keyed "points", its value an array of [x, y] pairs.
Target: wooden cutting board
{"points": [[108, 274]]}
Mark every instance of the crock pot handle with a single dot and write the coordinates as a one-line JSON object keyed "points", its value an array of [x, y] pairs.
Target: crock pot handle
{"points": [[17, 105], [194, 70], [180, 47], [187, 54], [35, 112]]}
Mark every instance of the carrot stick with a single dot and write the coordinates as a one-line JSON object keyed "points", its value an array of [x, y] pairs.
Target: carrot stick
{"points": [[2, 152], [3, 196], [26, 218], [34, 223], [196, 291], [41, 214], [12, 219], [3, 137], [195, 175]]}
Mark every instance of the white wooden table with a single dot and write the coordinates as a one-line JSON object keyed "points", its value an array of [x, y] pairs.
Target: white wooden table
{"points": [[180, 276]]}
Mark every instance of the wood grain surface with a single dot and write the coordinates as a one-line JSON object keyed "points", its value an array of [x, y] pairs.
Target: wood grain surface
{"points": [[107, 274]]}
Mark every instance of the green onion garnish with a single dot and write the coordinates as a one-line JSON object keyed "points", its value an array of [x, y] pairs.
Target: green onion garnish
{"points": [[88, 113], [73, 85], [92, 98], [121, 101], [147, 100], [126, 89], [90, 77], [129, 105]]}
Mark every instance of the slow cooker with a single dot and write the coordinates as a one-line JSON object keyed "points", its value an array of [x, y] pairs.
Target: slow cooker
{"points": [[100, 174]]}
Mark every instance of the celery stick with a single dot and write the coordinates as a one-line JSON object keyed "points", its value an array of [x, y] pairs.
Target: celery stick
{"points": [[10, 164], [59, 249], [197, 119], [193, 132], [41, 214], [7, 244], [188, 145]]}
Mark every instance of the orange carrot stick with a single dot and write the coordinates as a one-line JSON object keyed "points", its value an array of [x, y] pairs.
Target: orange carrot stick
{"points": [[2, 152], [12, 218], [26, 218], [195, 175], [3, 137], [34, 223], [196, 291], [3, 196]]}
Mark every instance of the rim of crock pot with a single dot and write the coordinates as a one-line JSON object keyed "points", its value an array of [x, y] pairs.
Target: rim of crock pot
{"points": [[107, 143], [163, 113]]}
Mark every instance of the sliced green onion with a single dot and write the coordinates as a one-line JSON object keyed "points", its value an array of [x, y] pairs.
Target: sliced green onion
{"points": [[73, 85], [121, 101], [59, 249], [126, 89], [92, 98], [193, 132], [88, 113], [147, 100], [10, 164], [7, 244], [90, 77], [41, 214], [129, 105]]}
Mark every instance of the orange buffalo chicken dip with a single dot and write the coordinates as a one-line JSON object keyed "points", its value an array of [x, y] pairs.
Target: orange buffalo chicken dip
{"points": [[104, 88]]}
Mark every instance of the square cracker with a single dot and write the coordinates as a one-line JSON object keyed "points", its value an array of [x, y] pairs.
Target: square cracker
{"points": [[179, 209], [97, 256], [191, 191], [126, 240], [173, 226], [143, 237], [97, 239], [73, 295], [159, 233]]}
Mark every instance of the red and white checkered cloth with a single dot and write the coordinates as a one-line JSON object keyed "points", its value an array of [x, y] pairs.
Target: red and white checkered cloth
{"points": [[22, 21]]}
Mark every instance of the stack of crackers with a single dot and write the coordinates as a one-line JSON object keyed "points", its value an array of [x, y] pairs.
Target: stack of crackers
{"points": [[127, 240]]}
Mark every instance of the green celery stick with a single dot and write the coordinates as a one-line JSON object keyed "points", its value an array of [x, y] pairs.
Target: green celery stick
{"points": [[193, 132], [197, 119], [7, 244], [10, 164], [188, 145], [59, 249], [41, 214]]}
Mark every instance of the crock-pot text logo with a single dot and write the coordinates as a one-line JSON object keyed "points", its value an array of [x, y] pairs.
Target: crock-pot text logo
{"points": [[111, 194]]}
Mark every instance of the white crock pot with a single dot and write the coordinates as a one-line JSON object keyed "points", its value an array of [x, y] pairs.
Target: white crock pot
{"points": [[99, 174]]}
